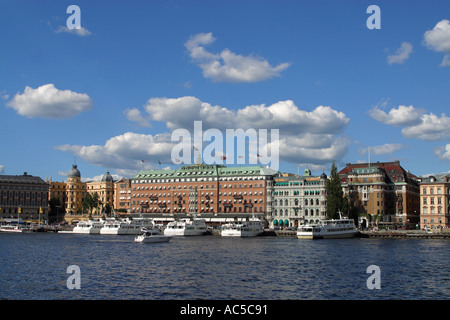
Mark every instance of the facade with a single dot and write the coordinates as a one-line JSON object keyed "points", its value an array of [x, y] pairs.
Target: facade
{"points": [[299, 200], [105, 192], [206, 190], [122, 196], [435, 202], [382, 192], [23, 197]]}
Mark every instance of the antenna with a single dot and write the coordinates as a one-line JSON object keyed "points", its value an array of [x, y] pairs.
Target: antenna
{"points": [[369, 156]]}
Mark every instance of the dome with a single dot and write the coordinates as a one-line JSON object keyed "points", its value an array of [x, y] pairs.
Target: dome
{"points": [[74, 173], [307, 172], [323, 176], [107, 177]]}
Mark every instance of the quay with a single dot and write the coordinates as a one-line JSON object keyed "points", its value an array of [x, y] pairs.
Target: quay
{"points": [[438, 234]]}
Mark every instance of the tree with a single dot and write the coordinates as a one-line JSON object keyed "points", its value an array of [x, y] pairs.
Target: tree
{"points": [[335, 196]]}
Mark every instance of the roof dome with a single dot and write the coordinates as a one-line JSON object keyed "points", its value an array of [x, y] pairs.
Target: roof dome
{"points": [[107, 177], [74, 173], [323, 176]]}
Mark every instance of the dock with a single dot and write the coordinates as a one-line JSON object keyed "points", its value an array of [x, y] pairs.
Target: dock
{"points": [[421, 234]]}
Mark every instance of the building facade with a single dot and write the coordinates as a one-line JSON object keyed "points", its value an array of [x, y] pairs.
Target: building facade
{"points": [[204, 190], [105, 192], [435, 202], [298, 200], [382, 192], [23, 197], [122, 196]]}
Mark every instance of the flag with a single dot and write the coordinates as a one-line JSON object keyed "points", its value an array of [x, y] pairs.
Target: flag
{"points": [[240, 157], [143, 161], [40, 210], [258, 155], [194, 148], [159, 162], [223, 157], [177, 160]]}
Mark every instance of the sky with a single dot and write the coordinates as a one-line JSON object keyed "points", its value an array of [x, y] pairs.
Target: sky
{"points": [[107, 85]]}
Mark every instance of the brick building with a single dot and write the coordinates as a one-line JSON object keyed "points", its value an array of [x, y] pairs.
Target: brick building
{"points": [[435, 202], [382, 192]]}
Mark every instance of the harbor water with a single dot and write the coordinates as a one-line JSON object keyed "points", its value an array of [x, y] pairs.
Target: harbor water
{"points": [[34, 266]]}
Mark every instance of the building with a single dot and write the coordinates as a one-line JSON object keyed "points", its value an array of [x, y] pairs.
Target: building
{"points": [[23, 197], [105, 192], [122, 196], [299, 200], [213, 191], [71, 194], [435, 202], [382, 192]]}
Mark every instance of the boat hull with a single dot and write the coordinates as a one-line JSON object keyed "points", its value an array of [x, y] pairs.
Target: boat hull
{"points": [[305, 235], [152, 239]]}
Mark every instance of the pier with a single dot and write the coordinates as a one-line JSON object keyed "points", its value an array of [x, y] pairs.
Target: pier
{"points": [[436, 234]]}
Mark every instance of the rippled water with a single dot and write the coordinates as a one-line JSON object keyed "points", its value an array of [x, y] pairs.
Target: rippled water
{"points": [[33, 266]]}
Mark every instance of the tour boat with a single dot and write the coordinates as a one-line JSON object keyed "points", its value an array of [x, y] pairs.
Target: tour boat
{"points": [[336, 228], [126, 226], [249, 228], [151, 235], [88, 227], [10, 228], [186, 227]]}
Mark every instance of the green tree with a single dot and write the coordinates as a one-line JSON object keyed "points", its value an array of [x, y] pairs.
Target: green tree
{"points": [[335, 197]]}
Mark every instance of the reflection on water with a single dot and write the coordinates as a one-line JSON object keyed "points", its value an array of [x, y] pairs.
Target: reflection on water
{"points": [[270, 268]]}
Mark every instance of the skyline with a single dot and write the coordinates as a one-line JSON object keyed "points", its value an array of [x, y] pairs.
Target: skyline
{"points": [[111, 93]]}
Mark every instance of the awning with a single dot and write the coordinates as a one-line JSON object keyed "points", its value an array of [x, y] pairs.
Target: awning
{"points": [[275, 221], [286, 221]]}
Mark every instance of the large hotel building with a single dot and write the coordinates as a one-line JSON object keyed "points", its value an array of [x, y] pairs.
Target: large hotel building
{"points": [[211, 191], [435, 202]]}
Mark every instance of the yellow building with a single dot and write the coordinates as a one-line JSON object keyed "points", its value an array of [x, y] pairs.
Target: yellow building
{"points": [[105, 192], [435, 202]]}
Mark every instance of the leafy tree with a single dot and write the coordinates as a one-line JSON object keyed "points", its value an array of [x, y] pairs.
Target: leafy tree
{"points": [[335, 196]]}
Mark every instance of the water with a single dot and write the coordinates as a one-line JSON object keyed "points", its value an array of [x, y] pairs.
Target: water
{"points": [[33, 267]]}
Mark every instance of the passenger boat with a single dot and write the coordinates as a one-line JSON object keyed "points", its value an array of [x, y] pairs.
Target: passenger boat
{"points": [[88, 227], [249, 228], [151, 235], [125, 226], [336, 228], [186, 227], [10, 228]]}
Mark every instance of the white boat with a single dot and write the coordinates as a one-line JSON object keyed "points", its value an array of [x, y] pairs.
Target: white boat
{"points": [[126, 226], [88, 227], [152, 235], [10, 228], [336, 228], [249, 228], [186, 227]]}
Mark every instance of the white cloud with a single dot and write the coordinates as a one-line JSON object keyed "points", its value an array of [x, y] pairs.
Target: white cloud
{"points": [[125, 151], [135, 115], [80, 32], [387, 148], [400, 116], [227, 66], [438, 40], [431, 127], [401, 55], [443, 152], [48, 102]]}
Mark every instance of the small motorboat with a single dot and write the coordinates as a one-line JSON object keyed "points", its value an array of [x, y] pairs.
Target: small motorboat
{"points": [[152, 235]]}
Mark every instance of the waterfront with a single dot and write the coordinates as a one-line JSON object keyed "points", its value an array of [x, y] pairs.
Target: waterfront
{"points": [[34, 266]]}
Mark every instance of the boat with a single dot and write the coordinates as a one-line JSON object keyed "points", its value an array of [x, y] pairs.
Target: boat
{"points": [[126, 226], [251, 227], [88, 227], [10, 228], [328, 229], [186, 227], [151, 235]]}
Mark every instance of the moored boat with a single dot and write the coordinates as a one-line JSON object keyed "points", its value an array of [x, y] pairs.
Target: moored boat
{"points": [[186, 227], [328, 229], [251, 227], [88, 227]]}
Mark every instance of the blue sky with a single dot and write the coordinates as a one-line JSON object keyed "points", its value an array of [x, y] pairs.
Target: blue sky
{"points": [[111, 94]]}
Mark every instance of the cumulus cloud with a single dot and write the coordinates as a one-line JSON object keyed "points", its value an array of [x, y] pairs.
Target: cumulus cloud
{"points": [[80, 31], [401, 116], [305, 136], [417, 124], [438, 40], [443, 153], [227, 66], [135, 115], [401, 55], [431, 127], [48, 102], [124, 151]]}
